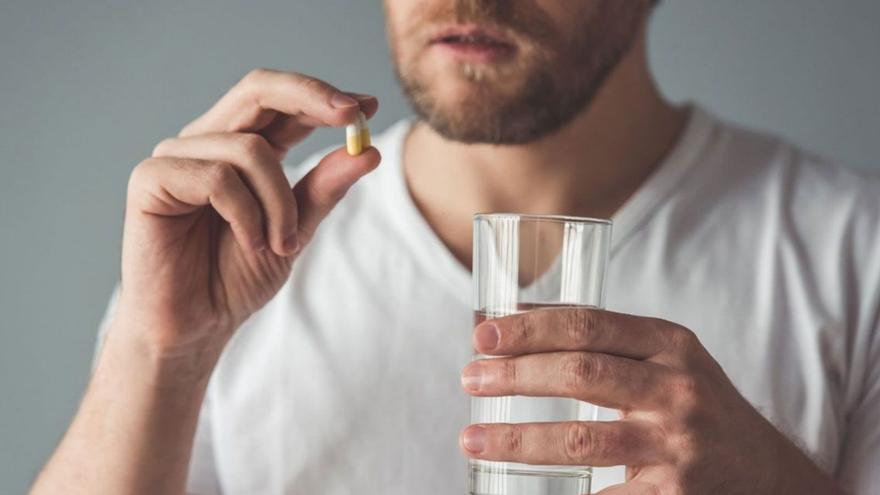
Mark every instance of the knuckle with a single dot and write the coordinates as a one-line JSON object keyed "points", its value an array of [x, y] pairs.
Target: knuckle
{"points": [[311, 85], [524, 329], [251, 145], [512, 440], [687, 452], [578, 370], [161, 147], [685, 448], [221, 175], [250, 84], [686, 391], [141, 168], [580, 441], [579, 325], [507, 371], [683, 338], [140, 172], [254, 76]]}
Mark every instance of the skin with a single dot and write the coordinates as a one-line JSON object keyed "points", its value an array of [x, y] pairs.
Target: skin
{"points": [[684, 429], [589, 167], [212, 229]]}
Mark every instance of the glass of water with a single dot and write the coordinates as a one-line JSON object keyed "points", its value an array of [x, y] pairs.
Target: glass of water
{"points": [[524, 263]]}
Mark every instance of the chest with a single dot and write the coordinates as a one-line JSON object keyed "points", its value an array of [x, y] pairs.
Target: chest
{"points": [[780, 341], [350, 378], [348, 382]]}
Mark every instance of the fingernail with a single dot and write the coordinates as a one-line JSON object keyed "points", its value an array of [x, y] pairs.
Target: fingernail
{"points": [[472, 378], [362, 97], [342, 100], [291, 243], [486, 336], [475, 439]]}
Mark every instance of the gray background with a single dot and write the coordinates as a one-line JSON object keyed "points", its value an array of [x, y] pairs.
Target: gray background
{"points": [[88, 87]]}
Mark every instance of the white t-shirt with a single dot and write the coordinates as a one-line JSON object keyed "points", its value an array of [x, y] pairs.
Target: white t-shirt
{"points": [[347, 382]]}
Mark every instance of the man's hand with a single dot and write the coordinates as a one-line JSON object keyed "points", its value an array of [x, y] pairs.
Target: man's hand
{"points": [[212, 225], [684, 428], [211, 231]]}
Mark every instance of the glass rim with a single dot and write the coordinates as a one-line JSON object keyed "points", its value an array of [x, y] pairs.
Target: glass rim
{"points": [[544, 218]]}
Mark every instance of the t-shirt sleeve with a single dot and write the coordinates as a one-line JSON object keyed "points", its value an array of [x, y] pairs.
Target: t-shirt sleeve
{"points": [[202, 478], [858, 468]]}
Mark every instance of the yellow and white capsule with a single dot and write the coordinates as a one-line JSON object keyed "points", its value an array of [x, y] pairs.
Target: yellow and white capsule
{"points": [[357, 135]]}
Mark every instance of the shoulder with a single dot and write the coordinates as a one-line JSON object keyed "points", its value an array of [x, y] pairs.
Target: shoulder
{"points": [[819, 217], [809, 221], [790, 183]]}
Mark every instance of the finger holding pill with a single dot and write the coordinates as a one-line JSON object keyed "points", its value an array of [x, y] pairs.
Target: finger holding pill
{"points": [[357, 135], [283, 107]]}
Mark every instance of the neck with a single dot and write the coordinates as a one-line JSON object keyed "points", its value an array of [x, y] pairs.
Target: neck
{"points": [[588, 168]]}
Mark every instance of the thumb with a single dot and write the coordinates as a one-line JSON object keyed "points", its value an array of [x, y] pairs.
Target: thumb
{"points": [[319, 191]]}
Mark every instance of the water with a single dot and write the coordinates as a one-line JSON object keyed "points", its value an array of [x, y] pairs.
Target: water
{"points": [[508, 478]]}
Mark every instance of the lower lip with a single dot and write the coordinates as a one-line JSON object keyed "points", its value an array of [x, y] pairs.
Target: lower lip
{"points": [[476, 52]]}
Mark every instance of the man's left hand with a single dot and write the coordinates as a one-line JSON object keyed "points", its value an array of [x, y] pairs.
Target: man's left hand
{"points": [[683, 427]]}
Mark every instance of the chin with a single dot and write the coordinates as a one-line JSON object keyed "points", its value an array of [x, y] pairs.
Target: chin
{"points": [[486, 104], [457, 95], [469, 83]]}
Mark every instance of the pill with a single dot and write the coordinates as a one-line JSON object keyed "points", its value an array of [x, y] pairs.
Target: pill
{"points": [[357, 135]]}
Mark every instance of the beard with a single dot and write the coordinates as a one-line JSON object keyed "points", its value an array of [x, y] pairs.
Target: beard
{"points": [[552, 77]]}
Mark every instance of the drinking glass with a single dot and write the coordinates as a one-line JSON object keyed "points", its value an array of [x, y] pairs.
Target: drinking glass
{"points": [[527, 263]]}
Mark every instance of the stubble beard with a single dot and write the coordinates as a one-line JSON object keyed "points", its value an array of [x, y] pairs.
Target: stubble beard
{"points": [[543, 89]]}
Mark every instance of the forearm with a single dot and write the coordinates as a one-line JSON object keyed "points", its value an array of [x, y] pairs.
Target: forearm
{"points": [[134, 430]]}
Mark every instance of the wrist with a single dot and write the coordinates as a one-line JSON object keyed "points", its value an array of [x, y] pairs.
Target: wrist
{"points": [[161, 355], [795, 473]]}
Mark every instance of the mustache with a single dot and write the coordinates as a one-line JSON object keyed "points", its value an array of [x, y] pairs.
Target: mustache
{"points": [[515, 17]]}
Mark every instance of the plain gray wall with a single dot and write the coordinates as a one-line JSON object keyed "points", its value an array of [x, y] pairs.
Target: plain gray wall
{"points": [[88, 87]]}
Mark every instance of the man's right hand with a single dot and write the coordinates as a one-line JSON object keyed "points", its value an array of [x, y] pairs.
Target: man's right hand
{"points": [[212, 225], [212, 228]]}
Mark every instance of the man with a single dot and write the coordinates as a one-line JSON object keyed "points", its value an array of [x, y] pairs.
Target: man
{"points": [[341, 345]]}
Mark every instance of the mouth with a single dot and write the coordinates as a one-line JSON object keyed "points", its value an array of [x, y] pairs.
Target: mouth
{"points": [[473, 43]]}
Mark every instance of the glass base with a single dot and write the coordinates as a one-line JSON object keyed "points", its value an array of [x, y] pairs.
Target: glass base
{"points": [[500, 478]]}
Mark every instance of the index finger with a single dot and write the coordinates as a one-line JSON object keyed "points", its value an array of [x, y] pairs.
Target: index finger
{"points": [[573, 329], [254, 103]]}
